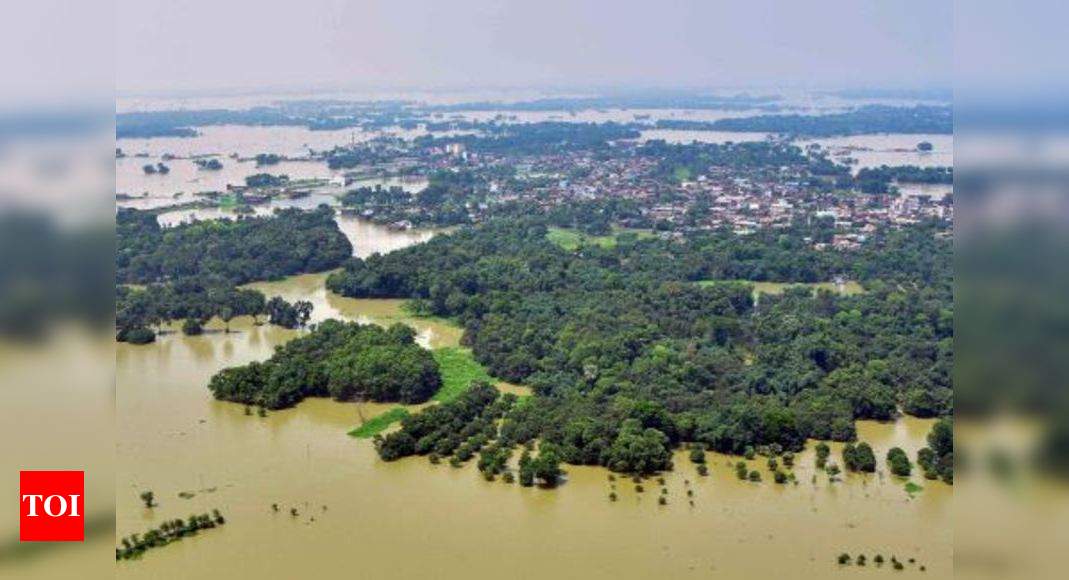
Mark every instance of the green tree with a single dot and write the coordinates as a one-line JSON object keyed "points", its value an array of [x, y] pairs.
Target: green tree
{"points": [[899, 462], [192, 327]]}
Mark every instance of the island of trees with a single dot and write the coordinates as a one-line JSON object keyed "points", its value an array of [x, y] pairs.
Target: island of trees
{"points": [[160, 168], [346, 361], [211, 164], [443, 202], [266, 180]]}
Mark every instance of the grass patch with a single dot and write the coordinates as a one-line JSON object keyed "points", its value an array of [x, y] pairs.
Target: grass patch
{"points": [[912, 488], [228, 201], [376, 425], [681, 173], [459, 368], [570, 240]]}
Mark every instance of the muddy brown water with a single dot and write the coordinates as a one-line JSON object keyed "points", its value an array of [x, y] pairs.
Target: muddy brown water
{"points": [[365, 518]]}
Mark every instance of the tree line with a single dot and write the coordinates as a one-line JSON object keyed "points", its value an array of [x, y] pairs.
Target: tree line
{"points": [[881, 179], [862, 120], [191, 271]]}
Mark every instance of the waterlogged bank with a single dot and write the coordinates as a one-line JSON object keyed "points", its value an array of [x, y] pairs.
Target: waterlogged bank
{"points": [[410, 519], [359, 515], [430, 332]]}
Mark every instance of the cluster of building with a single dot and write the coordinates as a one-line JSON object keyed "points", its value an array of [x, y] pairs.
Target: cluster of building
{"points": [[741, 198]]}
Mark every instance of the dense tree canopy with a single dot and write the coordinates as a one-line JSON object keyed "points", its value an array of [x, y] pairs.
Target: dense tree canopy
{"points": [[628, 355], [346, 361], [239, 251], [191, 271]]}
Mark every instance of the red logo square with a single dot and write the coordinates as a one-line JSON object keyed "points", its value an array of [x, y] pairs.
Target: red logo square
{"points": [[51, 506]]}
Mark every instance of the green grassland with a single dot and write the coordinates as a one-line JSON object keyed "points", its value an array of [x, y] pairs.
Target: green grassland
{"points": [[376, 425], [459, 369], [570, 239]]}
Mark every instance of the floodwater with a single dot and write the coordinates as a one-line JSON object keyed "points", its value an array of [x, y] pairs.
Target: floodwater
{"points": [[430, 332], [936, 191], [186, 178], [178, 216], [889, 149], [248, 141], [359, 516], [225, 141], [57, 395]]}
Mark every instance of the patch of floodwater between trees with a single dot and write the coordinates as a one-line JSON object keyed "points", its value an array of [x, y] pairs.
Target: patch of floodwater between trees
{"points": [[888, 149], [359, 515]]}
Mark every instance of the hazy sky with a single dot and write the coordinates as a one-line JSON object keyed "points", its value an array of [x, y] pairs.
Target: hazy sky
{"points": [[166, 46]]}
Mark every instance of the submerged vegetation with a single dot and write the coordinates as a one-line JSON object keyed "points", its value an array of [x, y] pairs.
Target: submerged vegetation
{"points": [[937, 459], [238, 251], [458, 428], [191, 272], [844, 559], [899, 462], [880, 179], [859, 458], [136, 545]]}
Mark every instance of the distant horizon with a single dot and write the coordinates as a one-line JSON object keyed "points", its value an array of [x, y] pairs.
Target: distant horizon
{"points": [[178, 48], [936, 91]]}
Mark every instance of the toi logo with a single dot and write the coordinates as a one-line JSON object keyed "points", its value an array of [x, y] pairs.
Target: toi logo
{"points": [[51, 506]]}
